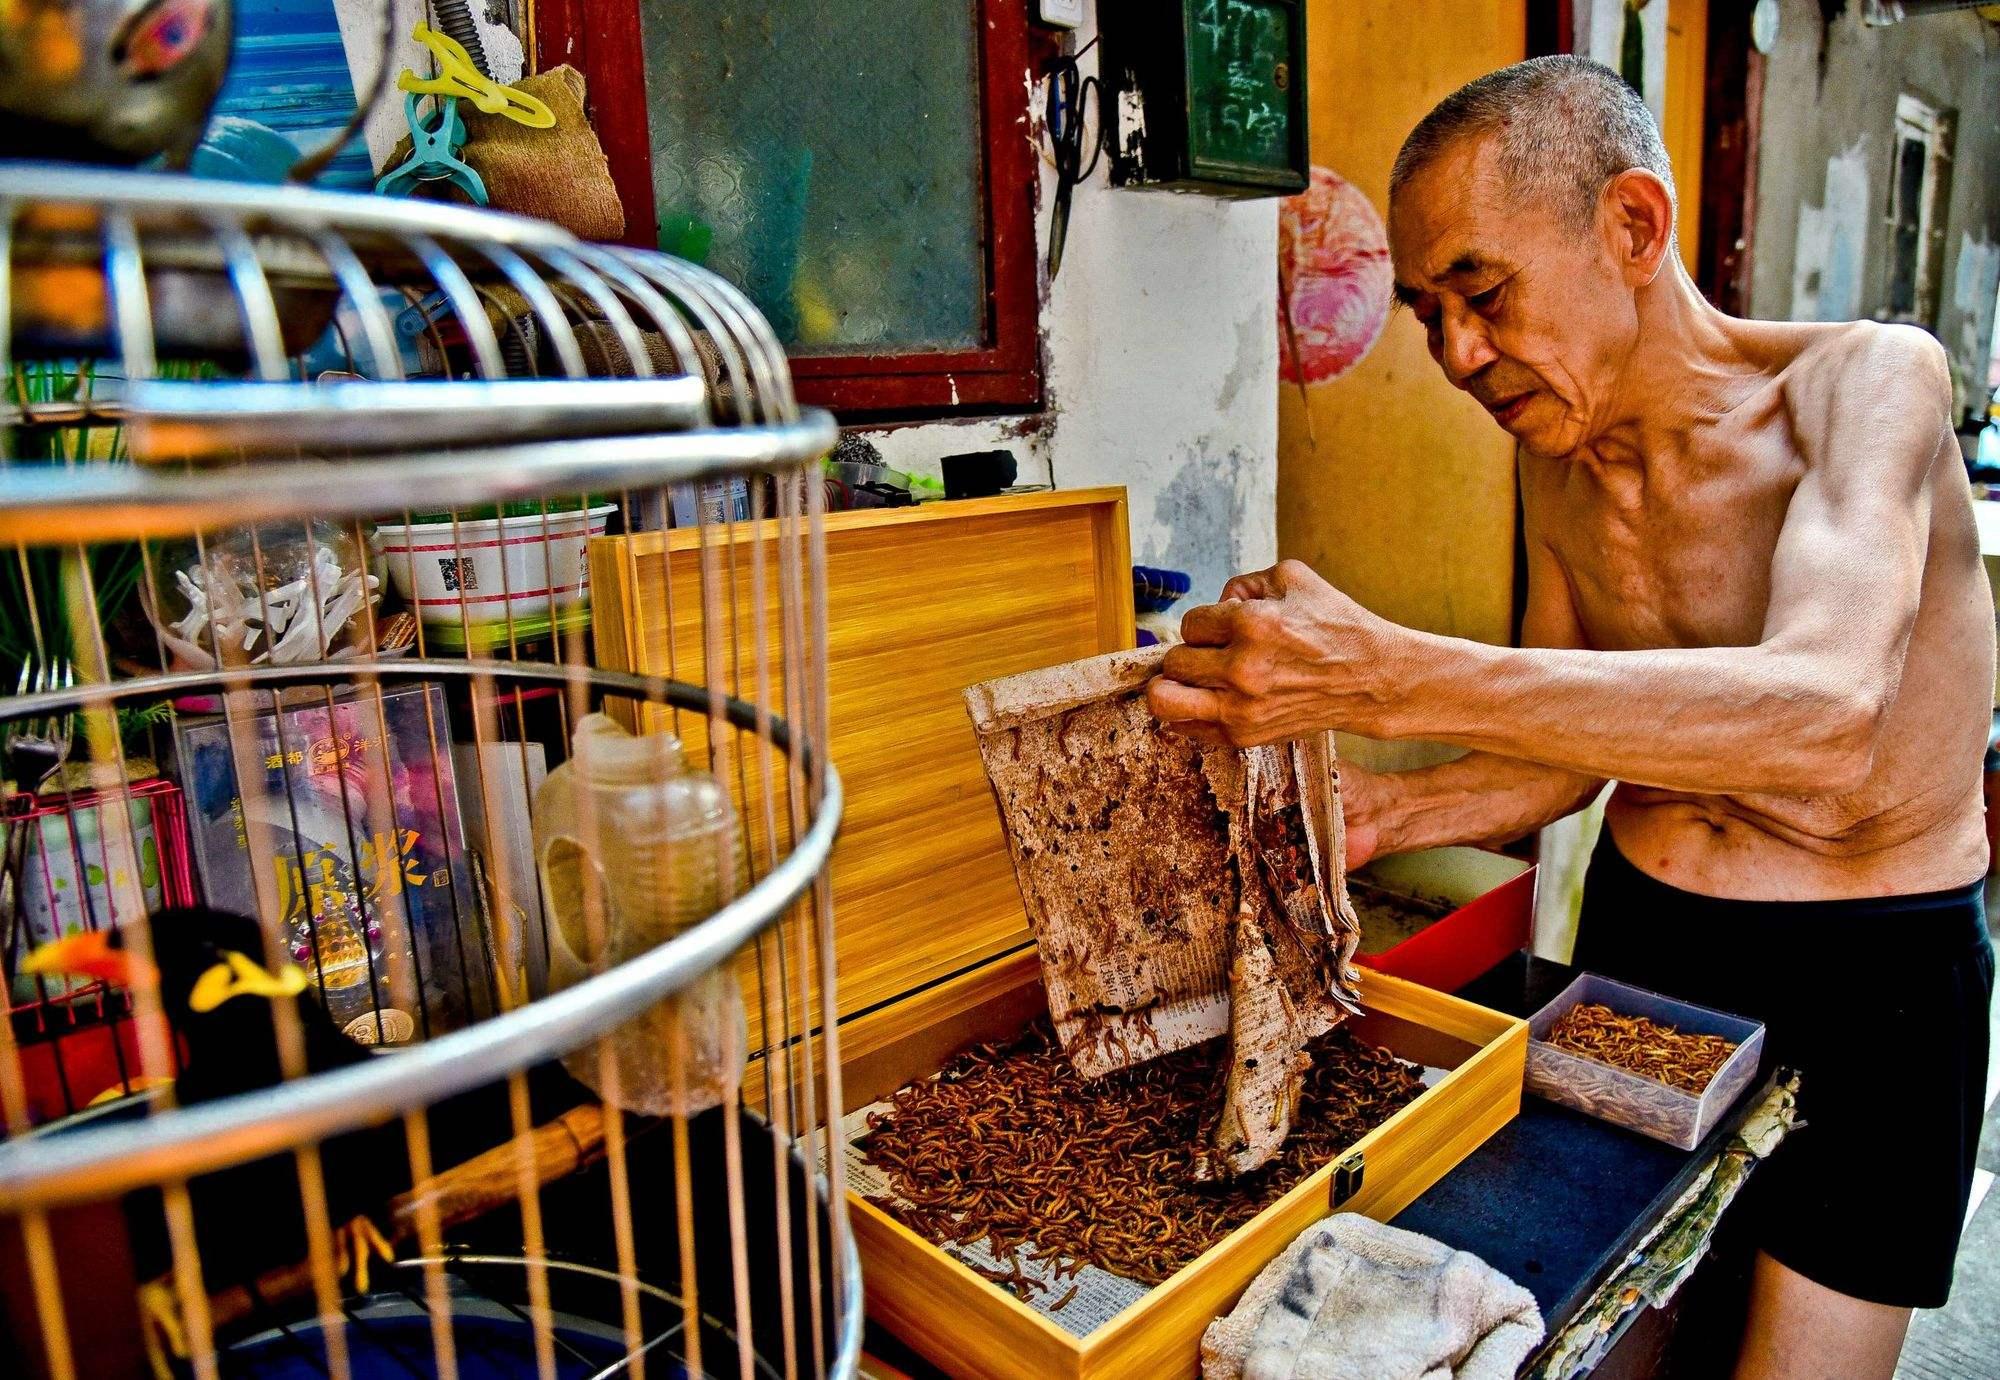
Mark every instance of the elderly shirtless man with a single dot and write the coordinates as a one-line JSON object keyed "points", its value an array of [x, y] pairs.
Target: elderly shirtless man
{"points": [[1755, 601]]}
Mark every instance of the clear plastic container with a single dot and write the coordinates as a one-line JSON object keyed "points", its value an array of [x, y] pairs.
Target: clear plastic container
{"points": [[1641, 1104], [634, 847], [282, 593]]}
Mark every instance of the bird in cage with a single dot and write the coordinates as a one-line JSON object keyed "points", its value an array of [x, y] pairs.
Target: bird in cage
{"points": [[218, 998]]}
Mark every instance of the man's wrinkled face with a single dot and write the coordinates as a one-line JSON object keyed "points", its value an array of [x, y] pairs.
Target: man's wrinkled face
{"points": [[1527, 313]]}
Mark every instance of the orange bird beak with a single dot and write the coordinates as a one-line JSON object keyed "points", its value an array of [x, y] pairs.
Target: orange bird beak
{"points": [[88, 953]]}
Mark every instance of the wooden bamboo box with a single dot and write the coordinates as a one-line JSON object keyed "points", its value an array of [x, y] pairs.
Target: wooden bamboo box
{"points": [[933, 947], [972, 1328]]}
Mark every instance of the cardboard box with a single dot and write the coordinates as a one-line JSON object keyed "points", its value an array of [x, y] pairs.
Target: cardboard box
{"points": [[342, 824]]}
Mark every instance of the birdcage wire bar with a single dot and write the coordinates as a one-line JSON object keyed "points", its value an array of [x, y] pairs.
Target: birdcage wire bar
{"points": [[486, 362]]}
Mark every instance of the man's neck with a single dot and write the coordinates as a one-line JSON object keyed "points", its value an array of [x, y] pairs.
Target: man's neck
{"points": [[1687, 367]]}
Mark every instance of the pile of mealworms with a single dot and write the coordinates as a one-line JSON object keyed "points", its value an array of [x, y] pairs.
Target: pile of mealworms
{"points": [[1648, 1048], [1010, 1145]]}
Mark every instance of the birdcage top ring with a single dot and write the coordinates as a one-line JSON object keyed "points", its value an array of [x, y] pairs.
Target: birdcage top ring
{"points": [[51, 505]]}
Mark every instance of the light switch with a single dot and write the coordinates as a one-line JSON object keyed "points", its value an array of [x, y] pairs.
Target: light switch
{"points": [[1061, 14]]}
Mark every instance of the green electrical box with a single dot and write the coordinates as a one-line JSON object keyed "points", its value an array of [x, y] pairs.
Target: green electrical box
{"points": [[1209, 95]]}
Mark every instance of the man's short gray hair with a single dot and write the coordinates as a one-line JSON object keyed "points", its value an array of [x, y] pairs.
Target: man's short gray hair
{"points": [[1566, 126]]}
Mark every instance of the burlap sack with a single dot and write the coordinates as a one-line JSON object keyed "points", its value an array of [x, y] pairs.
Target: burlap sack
{"points": [[557, 174]]}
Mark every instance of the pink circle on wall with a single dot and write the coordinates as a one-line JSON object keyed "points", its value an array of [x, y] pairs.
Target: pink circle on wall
{"points": [[1334, 279]]}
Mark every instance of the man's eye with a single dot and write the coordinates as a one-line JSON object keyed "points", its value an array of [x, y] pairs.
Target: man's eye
{"points": [[1480, 301]]}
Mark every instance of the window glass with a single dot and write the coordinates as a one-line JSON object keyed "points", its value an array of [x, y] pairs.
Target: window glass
{"points": [[827, 154], [1906, 226]]}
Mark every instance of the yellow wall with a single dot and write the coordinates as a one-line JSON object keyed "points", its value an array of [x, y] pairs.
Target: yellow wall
{"points": [[1687, 61], [1403, 494]]}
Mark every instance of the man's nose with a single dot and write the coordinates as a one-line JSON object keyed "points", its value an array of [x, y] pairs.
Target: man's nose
{"points": [[1466, 349]]}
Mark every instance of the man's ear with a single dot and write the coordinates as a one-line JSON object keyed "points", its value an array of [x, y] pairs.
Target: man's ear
{"points": [[1642, 219]]}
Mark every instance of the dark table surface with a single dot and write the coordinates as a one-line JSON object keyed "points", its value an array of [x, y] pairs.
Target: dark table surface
{"points": [[1556, 1199]]}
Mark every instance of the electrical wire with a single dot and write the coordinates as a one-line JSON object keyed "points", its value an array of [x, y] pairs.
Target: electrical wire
{"points": [[1068, 112]]}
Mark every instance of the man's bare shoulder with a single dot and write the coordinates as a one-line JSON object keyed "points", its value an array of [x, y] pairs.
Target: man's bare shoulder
{"points": [[1841, 365], [1864, 360], [1806, 354], [1860, 383]]}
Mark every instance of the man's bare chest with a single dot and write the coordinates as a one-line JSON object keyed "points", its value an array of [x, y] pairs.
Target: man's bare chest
{"points": [[1687, 565]]}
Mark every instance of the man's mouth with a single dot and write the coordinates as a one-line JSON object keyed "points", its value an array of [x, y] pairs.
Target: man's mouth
{"points": [[1504, 412]]}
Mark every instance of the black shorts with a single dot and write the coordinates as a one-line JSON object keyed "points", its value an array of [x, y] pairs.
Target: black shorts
{"points": [[1881, 1004]]}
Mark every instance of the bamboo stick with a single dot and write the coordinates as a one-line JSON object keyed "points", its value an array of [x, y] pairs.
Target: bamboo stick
{"points": [[488, 1180]]}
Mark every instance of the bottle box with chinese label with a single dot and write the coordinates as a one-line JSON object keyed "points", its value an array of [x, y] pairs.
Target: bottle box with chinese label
{"points": [[338, 817]]}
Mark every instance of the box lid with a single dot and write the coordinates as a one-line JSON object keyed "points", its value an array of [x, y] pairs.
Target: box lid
{"points": [[921, 603]]}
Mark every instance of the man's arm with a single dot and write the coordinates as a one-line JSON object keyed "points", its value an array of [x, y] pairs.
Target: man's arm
{"points": [[1798, 713], [1482, 797]]}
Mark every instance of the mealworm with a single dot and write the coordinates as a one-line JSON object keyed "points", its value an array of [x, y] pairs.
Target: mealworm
{"points": [[1648, 1048], [1124, 1198]]}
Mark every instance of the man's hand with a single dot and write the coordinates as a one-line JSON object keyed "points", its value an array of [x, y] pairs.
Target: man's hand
{"points": [[1285, 654]]}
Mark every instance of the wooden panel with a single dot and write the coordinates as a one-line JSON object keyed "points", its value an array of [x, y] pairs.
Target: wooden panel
{"points": [[1439, 1011], [1391, 483], [1687, 63], [874, 1367], [1453, 1119], [971, 1327], [883, 1050], [920, 604], [603, 42]]}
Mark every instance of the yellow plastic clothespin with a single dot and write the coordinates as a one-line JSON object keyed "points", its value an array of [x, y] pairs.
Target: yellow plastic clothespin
{"points": [[457, 76]]}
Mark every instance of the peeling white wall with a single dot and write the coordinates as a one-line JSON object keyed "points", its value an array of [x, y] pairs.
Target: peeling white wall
{"points": [[1974, 284], [1161, 356], [1828, 258], [1829, 121]]}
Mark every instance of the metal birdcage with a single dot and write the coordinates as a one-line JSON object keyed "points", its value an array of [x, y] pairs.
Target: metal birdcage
{"points": [[301, 509]]}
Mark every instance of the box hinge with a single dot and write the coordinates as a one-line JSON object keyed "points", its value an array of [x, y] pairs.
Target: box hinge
{"points": [[1347, 1176]]}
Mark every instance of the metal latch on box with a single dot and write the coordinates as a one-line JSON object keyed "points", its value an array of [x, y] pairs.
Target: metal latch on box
{"points": [[1347, 1175]]}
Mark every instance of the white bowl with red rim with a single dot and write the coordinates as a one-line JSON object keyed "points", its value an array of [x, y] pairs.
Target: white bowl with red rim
{"points": [[474, 582]]}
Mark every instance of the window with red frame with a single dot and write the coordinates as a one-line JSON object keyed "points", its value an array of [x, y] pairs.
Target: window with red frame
{"points": [[862, 171]]}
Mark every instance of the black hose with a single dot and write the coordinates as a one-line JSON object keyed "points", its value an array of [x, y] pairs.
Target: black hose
{"points": [[454, 18]]}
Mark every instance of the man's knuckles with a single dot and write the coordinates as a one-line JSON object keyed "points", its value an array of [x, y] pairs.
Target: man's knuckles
{"points": [[1259, 621], [1187, 665], [1293, 573], [1172, 701], [1248, 673], [1211, 625]]}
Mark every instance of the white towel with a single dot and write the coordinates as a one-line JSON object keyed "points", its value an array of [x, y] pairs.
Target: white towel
{"points": [[1351, 1299]]}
